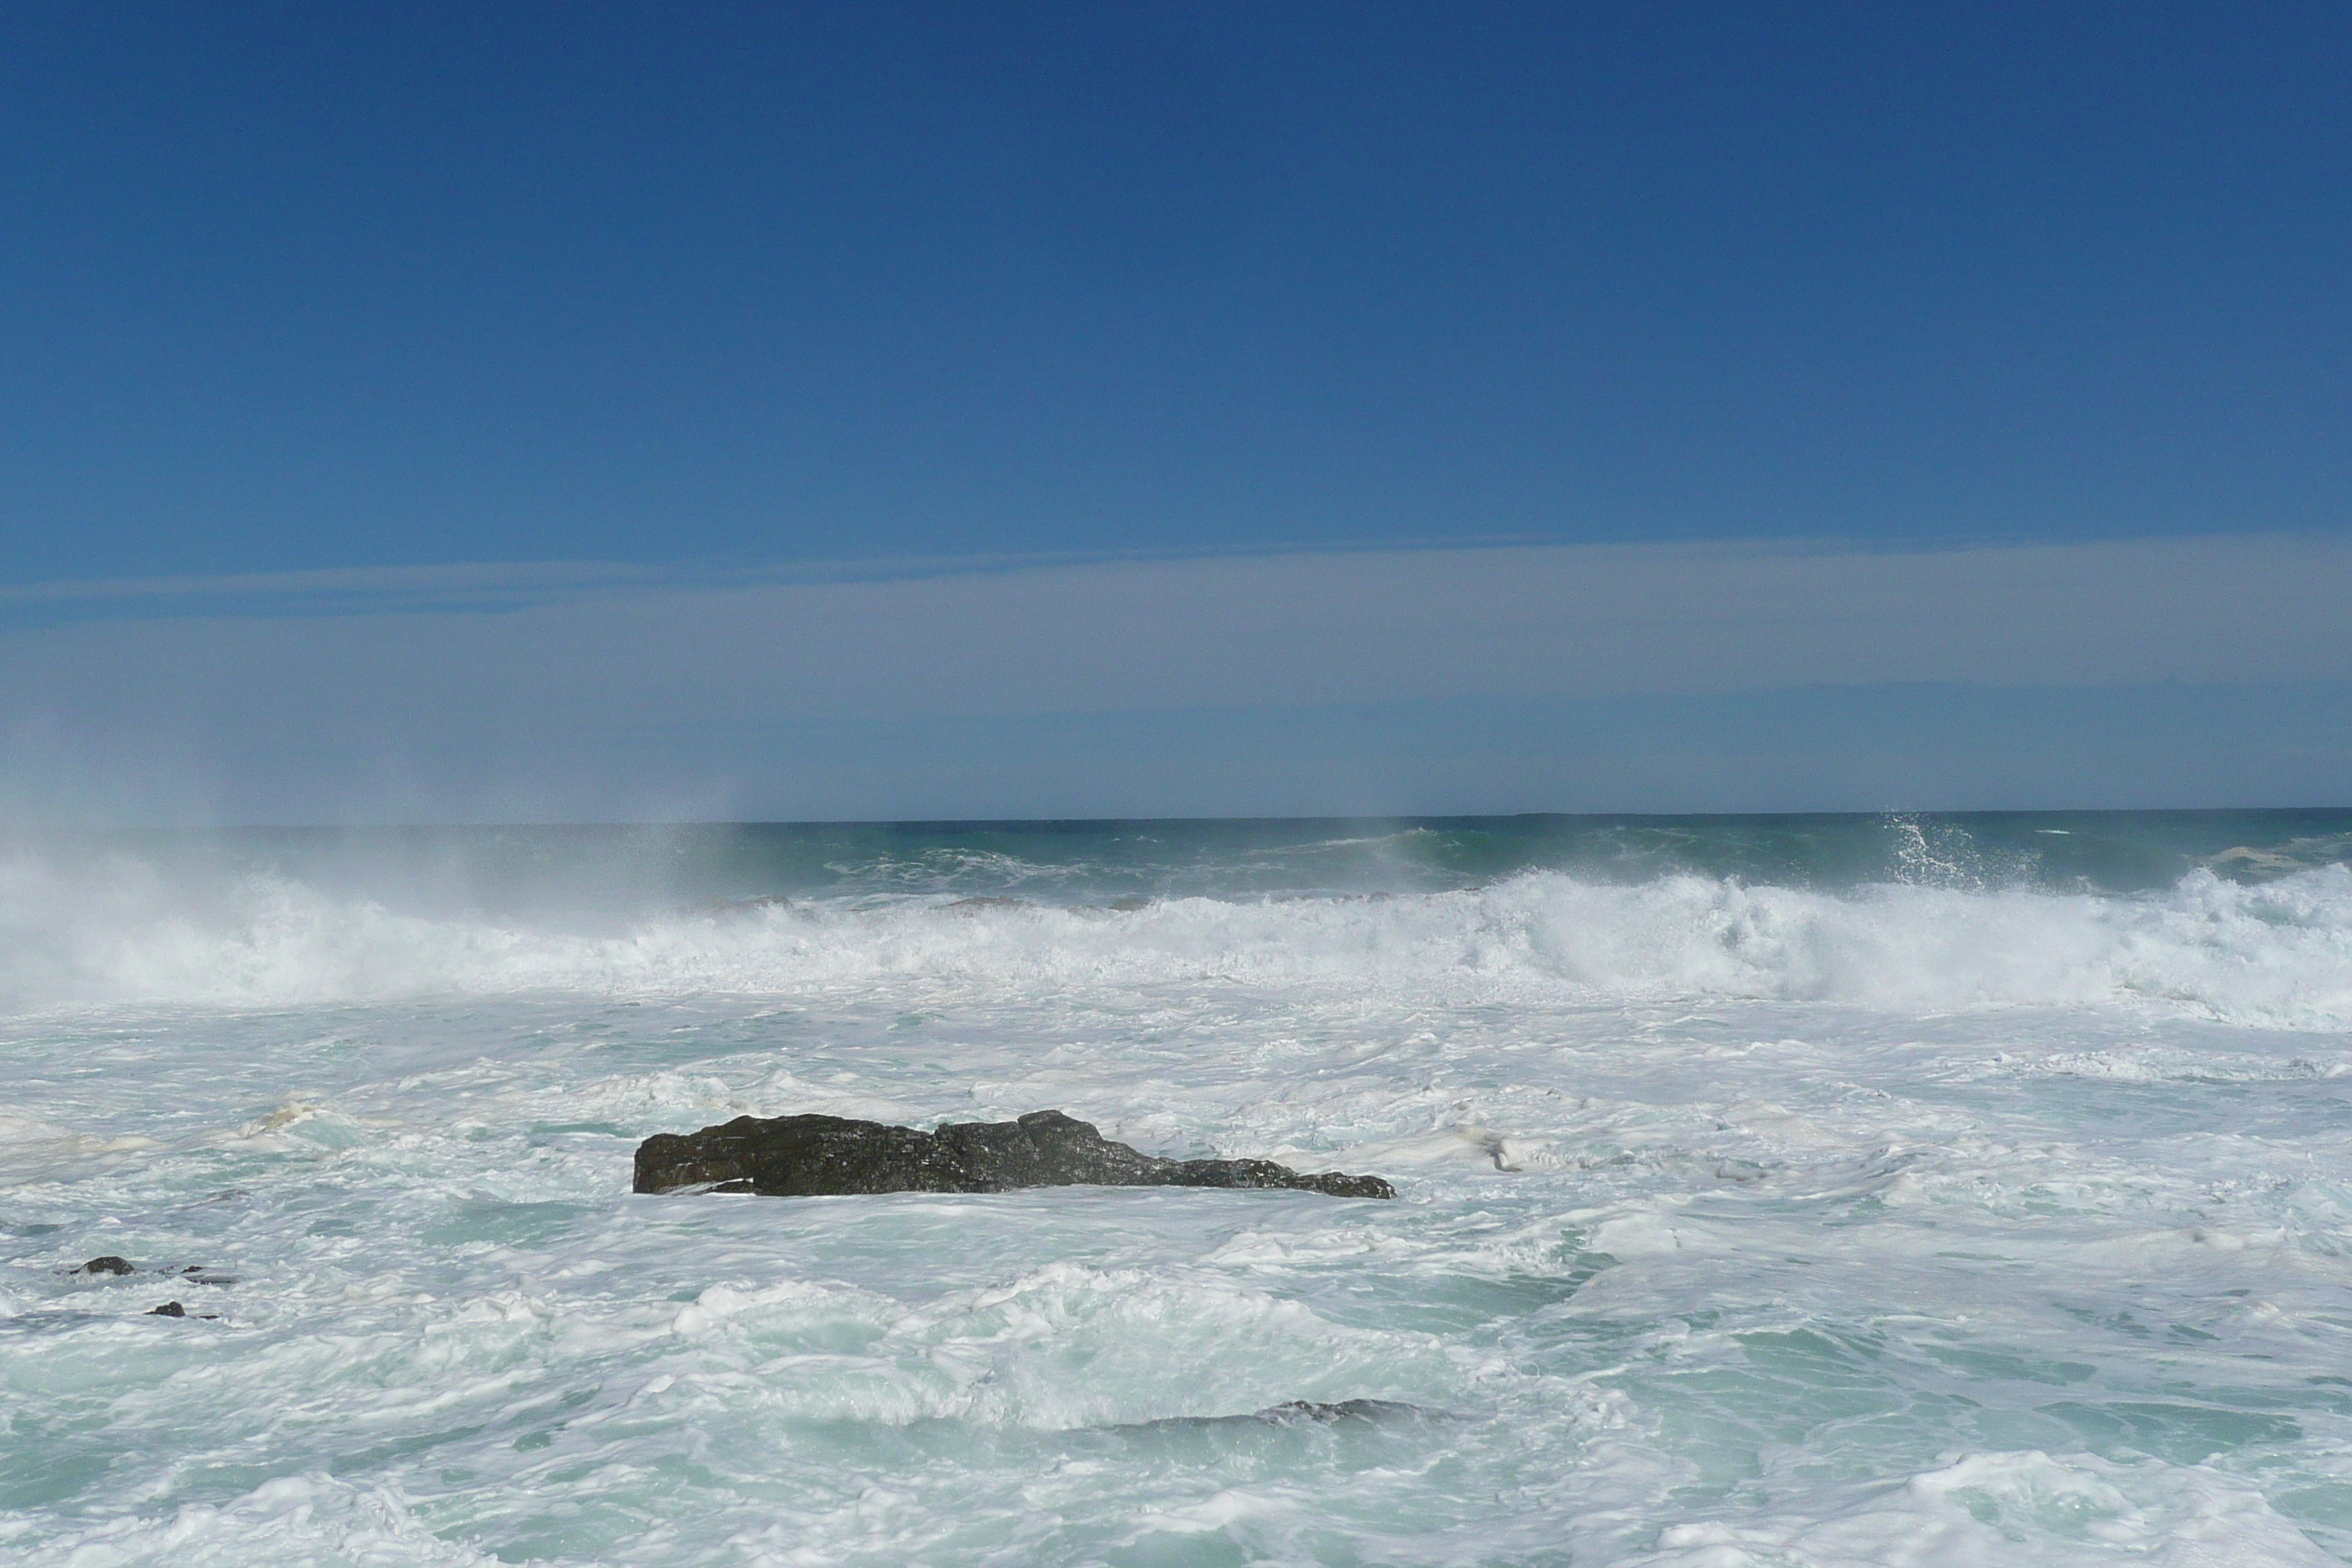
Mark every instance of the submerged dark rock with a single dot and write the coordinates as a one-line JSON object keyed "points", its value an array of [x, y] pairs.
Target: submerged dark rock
{"points": [[109, 1264], [1291, 1413], [1295, 1413], [810, 1156]]}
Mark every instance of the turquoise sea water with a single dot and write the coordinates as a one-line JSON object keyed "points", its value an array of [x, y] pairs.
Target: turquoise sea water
{"points": [[1794, 1190]]}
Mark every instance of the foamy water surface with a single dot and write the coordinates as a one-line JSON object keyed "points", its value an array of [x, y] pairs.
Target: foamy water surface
{"points": [[1974, 1217]]}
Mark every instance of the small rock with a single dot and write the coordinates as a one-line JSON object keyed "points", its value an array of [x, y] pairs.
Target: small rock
{"points": [[109, 1264], [168, 1310]]}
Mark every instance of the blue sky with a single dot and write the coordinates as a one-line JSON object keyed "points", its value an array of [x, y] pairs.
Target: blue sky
{"points": [[383, 319]]}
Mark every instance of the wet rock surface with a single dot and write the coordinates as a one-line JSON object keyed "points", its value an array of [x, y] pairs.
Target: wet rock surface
{"points": [[811, 1156], [112, 1267]]}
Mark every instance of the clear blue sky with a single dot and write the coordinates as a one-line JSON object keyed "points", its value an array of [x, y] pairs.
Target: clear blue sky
{"points": [[288, 287], [1220, 408]]}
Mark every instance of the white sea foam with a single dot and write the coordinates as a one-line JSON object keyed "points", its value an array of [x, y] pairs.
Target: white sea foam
{"points": [[1738, 1225], [2280, 952]]}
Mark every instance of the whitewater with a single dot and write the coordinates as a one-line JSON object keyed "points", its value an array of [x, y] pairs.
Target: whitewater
{"points": [[1771, 1192]]}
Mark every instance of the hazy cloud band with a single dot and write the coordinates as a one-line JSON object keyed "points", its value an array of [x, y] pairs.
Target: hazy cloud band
{"points": [[677, 663]]}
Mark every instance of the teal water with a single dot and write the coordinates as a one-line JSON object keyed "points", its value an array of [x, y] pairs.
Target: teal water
{"points": [[1083, 861]]}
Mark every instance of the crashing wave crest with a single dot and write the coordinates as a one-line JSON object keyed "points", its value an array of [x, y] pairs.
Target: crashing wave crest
{"points": [[2279, 953]]}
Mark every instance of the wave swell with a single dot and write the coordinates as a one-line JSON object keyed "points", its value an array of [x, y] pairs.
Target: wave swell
{"points": [[2279, 953]]}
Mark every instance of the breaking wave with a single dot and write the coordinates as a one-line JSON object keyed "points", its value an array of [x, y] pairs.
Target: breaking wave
{"points": [[2276, 953]]}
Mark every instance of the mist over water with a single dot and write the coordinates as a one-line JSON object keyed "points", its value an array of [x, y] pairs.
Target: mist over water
{"points": [[1772, 1190]]}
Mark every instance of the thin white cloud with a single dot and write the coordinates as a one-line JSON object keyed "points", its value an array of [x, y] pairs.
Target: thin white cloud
{"points": [[672, 666], [1296, 628]]}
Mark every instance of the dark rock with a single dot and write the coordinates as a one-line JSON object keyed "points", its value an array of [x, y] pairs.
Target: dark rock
{"points": [[809, 1156], [173, 1310], [109, 1264]]}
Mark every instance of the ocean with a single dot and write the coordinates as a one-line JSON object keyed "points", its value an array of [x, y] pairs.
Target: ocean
{"points": [[1802, 1190]]}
